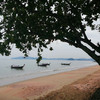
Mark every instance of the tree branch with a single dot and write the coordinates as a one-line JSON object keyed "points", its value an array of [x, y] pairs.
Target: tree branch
{"points": [[91, 53], [97, 48]]}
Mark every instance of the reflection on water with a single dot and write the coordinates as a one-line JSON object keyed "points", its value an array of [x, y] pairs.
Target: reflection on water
{"points": [[31, 70]]}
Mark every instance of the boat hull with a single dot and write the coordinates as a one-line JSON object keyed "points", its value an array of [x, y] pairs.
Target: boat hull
{"points": [[17, 67]]}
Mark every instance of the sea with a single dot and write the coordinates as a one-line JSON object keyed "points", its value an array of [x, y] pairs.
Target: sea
{"points": [[31, 70]]}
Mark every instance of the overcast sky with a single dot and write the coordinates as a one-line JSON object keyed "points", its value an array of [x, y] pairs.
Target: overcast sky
{"points": [[62, 50]]}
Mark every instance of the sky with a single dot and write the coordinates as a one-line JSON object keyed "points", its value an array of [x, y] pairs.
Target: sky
{"points": [[62, 50]]}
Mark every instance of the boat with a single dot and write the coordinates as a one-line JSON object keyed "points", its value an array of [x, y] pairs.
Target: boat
{"points": [[17, 66], [65, 63], [45, 63], [42, 65]]}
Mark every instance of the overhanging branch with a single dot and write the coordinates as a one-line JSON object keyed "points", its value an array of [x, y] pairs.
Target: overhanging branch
{"points": [[92, 45]]}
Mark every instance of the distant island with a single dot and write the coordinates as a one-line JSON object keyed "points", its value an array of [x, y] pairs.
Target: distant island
{"points": [[34, 58]]}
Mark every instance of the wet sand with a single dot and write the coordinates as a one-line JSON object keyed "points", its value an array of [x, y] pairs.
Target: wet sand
{"points": [[34, 88]]}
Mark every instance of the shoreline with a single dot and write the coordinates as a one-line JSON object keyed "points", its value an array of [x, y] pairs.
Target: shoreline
{"points": [[34, 88], [27, 76]]}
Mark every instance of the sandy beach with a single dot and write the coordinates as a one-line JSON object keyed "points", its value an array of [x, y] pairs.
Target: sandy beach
{"points": [[43, 86]]}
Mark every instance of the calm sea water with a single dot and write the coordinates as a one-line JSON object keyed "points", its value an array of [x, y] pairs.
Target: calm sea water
{"points": [[31, 70]]}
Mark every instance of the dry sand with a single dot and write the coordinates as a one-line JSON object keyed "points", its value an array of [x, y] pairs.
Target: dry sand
{"points": [[34, 88]]}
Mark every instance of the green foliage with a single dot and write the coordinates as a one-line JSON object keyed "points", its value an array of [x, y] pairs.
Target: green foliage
{"points": [[28, 23]]}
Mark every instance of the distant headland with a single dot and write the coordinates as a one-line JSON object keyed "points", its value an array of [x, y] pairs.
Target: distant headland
{"points": [[72, 59]]}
